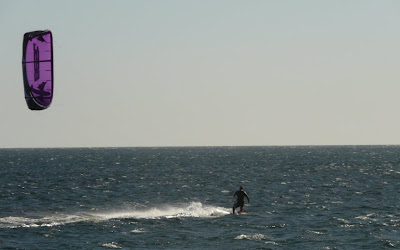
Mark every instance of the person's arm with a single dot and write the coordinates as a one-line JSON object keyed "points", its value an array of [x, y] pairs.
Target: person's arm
{"points": [[247, 197]]}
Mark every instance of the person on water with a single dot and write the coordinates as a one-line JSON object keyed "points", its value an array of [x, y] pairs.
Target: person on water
{"points": [[240, 194]]}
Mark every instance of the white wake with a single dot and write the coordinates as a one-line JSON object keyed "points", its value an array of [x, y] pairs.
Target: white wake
{"points": [[193, 209], [165, 211]]}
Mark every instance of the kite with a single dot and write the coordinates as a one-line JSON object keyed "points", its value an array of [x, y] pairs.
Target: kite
{"points": [[37, 69]]}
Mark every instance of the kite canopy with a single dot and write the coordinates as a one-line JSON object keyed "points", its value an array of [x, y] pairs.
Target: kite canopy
{"points": [[37, 69]]}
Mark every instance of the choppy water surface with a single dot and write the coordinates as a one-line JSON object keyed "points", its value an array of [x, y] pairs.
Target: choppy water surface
{"points": [[301, 198]]}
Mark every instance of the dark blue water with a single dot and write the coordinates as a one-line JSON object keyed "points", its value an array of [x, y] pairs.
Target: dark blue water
{"points": [[301, 198]]}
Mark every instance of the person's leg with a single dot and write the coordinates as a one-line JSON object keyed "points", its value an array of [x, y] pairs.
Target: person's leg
{"points": [[236, 205]]}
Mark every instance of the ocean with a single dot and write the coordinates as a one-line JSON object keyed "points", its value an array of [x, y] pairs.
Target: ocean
{"points": [[303, 197]]}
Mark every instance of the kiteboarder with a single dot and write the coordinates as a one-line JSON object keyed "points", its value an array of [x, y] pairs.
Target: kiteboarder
{"points": [[240, 194]]}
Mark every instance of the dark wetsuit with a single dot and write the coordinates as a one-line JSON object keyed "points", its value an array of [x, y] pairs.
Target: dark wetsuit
{"points": [[240, 194]]}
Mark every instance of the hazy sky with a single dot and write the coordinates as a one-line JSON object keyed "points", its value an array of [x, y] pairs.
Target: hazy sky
{"points": [[206, 73]]}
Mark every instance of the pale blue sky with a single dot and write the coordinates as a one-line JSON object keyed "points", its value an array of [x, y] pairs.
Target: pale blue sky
{"points": [[206, 73]]}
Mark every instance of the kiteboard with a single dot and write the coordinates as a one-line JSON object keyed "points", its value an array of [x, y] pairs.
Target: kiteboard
{"points": [[240, 212]]}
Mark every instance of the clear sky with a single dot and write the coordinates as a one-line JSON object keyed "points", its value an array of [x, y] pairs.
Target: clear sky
{"points": [[206, 73]]}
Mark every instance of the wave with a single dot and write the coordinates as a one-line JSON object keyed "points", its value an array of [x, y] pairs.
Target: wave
{"points": [[165, 211]]}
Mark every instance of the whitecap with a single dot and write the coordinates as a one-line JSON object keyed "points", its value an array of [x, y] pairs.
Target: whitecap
{"points": [[272, 243], [138, 230], [316, 232], [111, 245], [251, 237]]}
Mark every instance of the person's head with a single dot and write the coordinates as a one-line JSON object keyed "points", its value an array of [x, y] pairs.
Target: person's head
{"points": [[241, 188]]}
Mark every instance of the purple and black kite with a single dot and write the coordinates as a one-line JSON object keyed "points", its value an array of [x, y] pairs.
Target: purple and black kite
{"points": [[37, 69]]}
